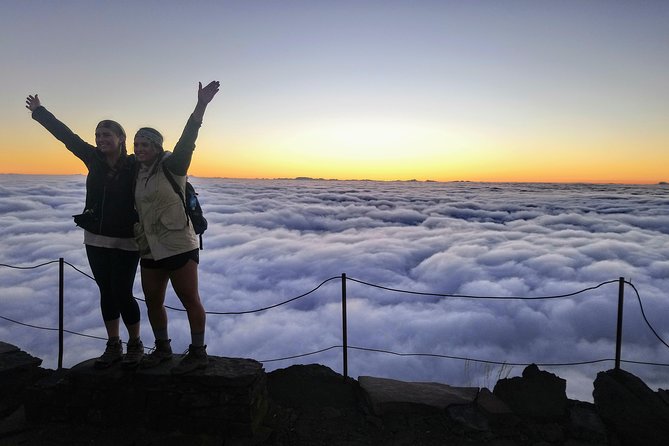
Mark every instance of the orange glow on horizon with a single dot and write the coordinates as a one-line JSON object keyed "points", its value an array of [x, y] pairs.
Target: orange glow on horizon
{"points": [[473, 159]]}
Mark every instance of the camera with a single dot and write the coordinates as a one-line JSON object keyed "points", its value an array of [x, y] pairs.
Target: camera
{"points": [[86, 219]]}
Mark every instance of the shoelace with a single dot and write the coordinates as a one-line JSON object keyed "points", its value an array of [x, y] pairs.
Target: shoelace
{"points": [[187, 351], [155, 346]]}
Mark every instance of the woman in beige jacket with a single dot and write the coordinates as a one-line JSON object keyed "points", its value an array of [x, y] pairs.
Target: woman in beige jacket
{"points": [[168, 245]]}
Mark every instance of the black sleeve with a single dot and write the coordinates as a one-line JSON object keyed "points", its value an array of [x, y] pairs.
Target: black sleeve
{"points": [[80, 148], [180, 160]]}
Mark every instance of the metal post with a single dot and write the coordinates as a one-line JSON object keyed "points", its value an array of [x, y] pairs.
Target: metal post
{"points": [[619, 330], [343, 324], [61, 306]]}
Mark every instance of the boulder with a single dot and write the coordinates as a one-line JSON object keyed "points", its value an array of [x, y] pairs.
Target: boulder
{"points": [[585, 424], [631, 409], [498, 413], [392, 396], [228, 397], [538, 394], [327, 388], [18, 370]]}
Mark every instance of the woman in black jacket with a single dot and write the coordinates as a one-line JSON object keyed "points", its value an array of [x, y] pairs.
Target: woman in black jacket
{"points": [[107, 220]]}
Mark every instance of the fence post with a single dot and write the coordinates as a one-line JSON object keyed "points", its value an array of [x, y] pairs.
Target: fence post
{"points": [[619, 329], [61, 284], [343, 325]]}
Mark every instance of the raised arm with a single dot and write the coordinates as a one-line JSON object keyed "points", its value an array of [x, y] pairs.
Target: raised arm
{"points": [[180, 160], [60, 131], [204, 97]]}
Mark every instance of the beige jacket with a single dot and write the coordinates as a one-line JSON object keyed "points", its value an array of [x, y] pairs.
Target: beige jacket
{"points": [[163, 229]]}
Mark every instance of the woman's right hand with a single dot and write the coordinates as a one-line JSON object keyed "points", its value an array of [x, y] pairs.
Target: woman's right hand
{"points": [[32, 102]]}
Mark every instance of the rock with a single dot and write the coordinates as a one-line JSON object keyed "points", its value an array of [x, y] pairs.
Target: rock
{"points": [[468, 416], [228, 398], [631, 409], [585, 423], [234, 402], [546, 433], [326, 387], [664, 394], [496, 411], [389, 395], [18, 370], [538, 395], [310, 404]]}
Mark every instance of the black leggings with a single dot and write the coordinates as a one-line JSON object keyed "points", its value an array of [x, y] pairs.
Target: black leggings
{"points": [[114, 271]]}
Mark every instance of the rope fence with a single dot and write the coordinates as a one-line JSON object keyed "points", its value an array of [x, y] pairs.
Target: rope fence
{"points": [[345, 347]]}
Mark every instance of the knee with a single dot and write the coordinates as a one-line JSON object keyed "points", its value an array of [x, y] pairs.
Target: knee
{"points": [[153, 303], [191, 302], [110, 310]]}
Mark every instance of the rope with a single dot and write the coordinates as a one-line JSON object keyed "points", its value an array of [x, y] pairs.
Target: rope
{"points": [[78, 270], [389, 352], [52, 329], [219, 313], [484, 361], [28, 325], [227, 312], [466, 296], [643, 314], [276, 305], [29, 267], [463, 358], [302, 355]]}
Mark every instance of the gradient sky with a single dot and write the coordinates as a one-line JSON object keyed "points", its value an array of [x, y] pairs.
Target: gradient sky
{"points": [[440, 90]]}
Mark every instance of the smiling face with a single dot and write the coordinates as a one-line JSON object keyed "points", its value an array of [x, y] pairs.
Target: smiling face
{"points": [[145, 151], [107, 141]]}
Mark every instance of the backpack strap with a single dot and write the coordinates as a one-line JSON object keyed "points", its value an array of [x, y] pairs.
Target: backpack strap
{"points": [[177, 189]]}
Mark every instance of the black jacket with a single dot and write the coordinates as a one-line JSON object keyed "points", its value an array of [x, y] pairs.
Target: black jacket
{"points": [[110, 208]]}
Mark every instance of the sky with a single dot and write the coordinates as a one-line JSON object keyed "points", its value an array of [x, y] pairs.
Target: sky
{"points": [[272, 240], [561, 91]]}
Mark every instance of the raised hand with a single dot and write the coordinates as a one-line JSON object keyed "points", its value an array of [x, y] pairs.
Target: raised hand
{"points": [[33, 102], [206, 94], [204, 97]]}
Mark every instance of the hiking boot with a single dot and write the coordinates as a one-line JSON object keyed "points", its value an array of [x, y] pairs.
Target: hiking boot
{"points": [[134, 354], [196, 358], [112, 354], [160, 353]]}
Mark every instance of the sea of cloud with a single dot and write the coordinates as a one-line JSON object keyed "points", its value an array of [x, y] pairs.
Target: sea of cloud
{"points": [[272, 240]]}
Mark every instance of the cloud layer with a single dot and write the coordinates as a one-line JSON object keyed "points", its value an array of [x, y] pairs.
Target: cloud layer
{"points": [[272, 240]]}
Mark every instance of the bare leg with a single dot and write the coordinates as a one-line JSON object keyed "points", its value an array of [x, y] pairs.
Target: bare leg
{"points": [[133, 330], [185, 284], [112, 328], [154, 285]]}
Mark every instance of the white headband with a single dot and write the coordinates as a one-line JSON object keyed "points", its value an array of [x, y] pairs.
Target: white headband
{"points": [[151, 136]]}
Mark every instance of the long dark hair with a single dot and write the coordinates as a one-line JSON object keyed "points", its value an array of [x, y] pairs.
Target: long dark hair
{"points": [[117, 129]]}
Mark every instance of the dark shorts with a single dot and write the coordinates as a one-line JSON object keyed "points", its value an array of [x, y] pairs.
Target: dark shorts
{"points": [[172, 263]]}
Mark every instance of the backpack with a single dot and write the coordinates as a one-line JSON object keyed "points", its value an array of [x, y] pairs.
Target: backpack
{"points": [[191, 204]]}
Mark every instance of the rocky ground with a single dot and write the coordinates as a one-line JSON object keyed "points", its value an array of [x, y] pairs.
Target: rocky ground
{"points": [[312, 405], [309, 405]]}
